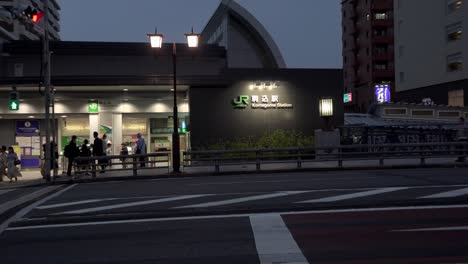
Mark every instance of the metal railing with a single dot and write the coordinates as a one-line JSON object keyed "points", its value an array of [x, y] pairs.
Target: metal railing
{"points": [[92, 165], [300, 155]]}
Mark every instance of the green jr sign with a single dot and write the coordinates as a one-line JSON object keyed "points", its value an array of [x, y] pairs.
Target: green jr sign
{"points": [[93, 106], [241, 101]]}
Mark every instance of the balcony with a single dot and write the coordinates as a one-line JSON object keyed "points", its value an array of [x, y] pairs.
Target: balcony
{"points": [[383, 56], [382, 5], [382, 39], [387, 73], [382, 22]]}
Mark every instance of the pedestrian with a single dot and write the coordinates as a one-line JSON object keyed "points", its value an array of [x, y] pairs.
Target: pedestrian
{"points": [[12, 161], [71, 151], [85, 153], [3, 162], [462, 136], [109, 153], [124, 152], [98, 150], [141, 149]]}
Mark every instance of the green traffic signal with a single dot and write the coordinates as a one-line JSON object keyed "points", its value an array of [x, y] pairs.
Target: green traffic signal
{"points": [[14, 105]]}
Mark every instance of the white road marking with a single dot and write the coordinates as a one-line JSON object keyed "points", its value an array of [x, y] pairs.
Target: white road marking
{"points": [[448, 194], [116, 206], [30, 207], [278, 181], [335, 211], [273, 241], [451, 228], [243, 199], [6, 191], [73, 203], [354, 195]]}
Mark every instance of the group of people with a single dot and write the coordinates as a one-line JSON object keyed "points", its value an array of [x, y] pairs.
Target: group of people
{"points": [[101, 148], [8, 162]]}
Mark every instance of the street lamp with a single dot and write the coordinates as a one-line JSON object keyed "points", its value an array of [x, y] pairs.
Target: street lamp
{"points": [[326, 110], [193, 41]]}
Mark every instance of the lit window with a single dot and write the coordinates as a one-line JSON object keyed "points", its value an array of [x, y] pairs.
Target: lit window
{"points": [[453, 5], [455, 62], [454, 32], [381, 16], [456, 98]]}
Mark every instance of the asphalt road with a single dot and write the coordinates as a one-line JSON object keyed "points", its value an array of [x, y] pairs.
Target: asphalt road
{"points": [[334, 217]]}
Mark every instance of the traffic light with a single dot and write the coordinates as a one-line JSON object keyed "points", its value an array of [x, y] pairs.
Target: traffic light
{"points": [[33, 14], [14, 101]]}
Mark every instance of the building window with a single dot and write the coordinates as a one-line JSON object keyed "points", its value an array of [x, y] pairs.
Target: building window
{"points": [[453, 6], [456, 98], [381, 16], [455, 62], [402, 77], [401, 50], [454, 32], [380, 66]]}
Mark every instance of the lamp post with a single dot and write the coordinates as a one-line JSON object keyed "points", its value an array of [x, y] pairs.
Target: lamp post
{"points": [[156, 41], [326, 110]]}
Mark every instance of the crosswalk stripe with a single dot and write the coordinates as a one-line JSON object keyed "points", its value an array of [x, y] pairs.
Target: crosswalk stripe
{"points": [[448, 194], [274, 242], [449, 228], [102, 208], [354, 195], [243, 199], [73, 203]]}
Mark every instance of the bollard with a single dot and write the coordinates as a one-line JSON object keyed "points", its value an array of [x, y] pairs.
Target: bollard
{"points": [[423, 161], [257, 161], [381, 162], [93, 168]]}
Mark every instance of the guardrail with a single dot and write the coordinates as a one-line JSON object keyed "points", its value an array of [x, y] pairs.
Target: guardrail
{"points": [[91, 165], [300, 155]]}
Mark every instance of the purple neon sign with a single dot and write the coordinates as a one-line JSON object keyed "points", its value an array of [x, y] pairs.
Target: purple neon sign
{"points": [[382, 93]]}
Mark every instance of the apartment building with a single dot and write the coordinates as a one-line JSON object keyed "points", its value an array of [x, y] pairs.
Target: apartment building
{"points": [[16, 30], [431, 55], [368, 52]]}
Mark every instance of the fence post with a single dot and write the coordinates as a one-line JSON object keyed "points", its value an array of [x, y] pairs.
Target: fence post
{"points": [[135, 172], [257, 158], [340, 157], [299, 158], [93, 167]]}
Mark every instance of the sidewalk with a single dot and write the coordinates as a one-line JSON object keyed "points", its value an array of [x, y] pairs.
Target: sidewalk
{"points": [[33, 177]]}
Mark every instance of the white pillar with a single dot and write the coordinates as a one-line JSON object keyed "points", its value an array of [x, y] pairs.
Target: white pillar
{"points": [[116, 132], [93, 126]]}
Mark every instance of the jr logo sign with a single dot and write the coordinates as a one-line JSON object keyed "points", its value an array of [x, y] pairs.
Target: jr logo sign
{"points": [[241, 101]]}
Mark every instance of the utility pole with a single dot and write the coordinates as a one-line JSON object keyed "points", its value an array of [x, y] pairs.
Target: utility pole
{"points": [[46, 67]]}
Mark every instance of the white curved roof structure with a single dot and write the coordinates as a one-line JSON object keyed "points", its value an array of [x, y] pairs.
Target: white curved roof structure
{"points": [[248, 43]]}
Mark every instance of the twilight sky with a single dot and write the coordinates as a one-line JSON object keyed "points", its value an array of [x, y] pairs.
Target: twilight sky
{"points": [[308, 32]]}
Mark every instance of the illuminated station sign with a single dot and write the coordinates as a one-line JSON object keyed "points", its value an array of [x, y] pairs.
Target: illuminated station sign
{"points": [[382, 93]]}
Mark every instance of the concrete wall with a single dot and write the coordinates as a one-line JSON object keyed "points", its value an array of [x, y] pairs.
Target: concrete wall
{"points": [[213, 117], [420, 33]]}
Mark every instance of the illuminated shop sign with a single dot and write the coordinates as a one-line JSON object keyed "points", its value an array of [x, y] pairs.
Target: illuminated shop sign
{"points": [[382, 93], [348, 98], [260, 102]]}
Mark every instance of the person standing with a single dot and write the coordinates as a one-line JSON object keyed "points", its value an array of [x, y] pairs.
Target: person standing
{"points": [[3, 162], [12, 161], [141, 149], [71, 152], [124, 152], [85, 153], [98, 150], [462, 136]]}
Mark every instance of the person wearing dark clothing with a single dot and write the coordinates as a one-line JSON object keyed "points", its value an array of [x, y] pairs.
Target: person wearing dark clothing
{"points": [[71, 152], [85, 153], [54, 150], [98, 150]]}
